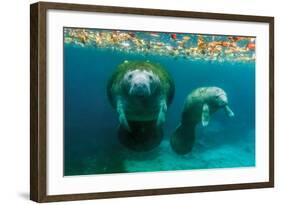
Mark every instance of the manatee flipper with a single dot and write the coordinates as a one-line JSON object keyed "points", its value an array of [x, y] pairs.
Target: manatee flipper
{"points": [[183, 139], [205, 117], [122, 117], [228, 111], [162, 112]]}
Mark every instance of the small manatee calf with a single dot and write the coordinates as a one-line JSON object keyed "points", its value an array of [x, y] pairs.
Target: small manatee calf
{"points": [[140, 92], [199, 105]]}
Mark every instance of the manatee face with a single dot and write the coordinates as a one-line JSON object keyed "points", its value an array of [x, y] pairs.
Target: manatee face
{"points": [[218, 96], [140, 83]]}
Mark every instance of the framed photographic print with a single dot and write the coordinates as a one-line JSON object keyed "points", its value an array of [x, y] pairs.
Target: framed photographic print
{"points": [[134, 102]]}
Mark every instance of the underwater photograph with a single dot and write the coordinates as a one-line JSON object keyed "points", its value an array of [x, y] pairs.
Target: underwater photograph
{"points": [[148, 101]]}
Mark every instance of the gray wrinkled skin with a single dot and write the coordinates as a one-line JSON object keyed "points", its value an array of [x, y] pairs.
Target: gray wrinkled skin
{"points": [[199, 105]]}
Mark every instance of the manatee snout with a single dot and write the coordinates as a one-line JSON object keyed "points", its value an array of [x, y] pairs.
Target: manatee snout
{"points": [[223, 103], [140, 88], [221, 99], [141, 82], [216, 95]]}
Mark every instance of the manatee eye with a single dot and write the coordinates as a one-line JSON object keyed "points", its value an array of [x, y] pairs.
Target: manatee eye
{"points": [[130, 76], [150, 77]]}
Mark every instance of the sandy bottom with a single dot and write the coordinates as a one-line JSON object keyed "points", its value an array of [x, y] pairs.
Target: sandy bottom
{"points": [[208, 152], [204, 155]]}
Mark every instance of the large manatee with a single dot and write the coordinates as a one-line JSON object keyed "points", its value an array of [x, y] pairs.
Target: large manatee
{"points": [[140, 92], [199, 105]]}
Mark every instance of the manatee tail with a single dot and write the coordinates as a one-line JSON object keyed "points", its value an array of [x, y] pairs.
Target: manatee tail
{"points": [[144, 136], [182, 140]]}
